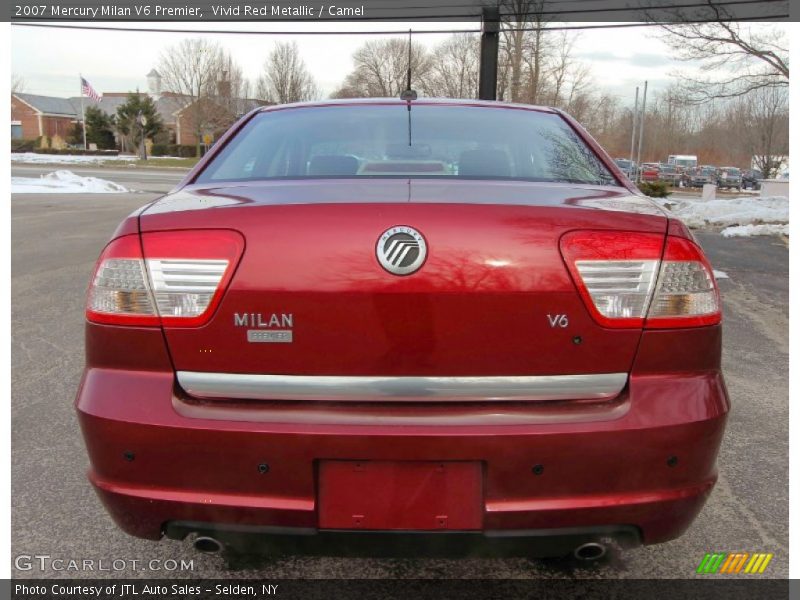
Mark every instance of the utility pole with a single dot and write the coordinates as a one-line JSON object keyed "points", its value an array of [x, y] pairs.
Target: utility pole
{"points": [[641, 131], [490, 45], [633, 131]]}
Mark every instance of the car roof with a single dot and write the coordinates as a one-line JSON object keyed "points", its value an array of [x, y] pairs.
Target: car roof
{"points": [[399, 102]]}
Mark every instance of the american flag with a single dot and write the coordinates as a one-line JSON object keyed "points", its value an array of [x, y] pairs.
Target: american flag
{"points": [[89, 91]]}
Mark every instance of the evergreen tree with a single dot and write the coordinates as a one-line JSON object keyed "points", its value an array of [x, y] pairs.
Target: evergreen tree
{"points": [[126, 120], [75, 135], [99, 128]]}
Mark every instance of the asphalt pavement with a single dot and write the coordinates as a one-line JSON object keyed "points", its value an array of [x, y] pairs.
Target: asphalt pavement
{"points": [[55, 241]]}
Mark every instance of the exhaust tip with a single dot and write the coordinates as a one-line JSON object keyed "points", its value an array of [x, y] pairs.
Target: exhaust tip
{"points": [[207, 545], [590, 552]]}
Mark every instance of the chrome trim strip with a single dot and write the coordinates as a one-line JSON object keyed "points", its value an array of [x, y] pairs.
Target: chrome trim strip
{"points": [[402, 389]]}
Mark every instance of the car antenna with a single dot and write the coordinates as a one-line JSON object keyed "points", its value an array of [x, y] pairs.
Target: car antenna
{"points": [[408, 94]]}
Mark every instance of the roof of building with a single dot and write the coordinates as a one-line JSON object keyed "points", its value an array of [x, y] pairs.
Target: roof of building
{"points": [[168, 105], [50, 105]]}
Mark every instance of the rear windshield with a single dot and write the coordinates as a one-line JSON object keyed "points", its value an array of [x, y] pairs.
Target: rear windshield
{"points": [[387, 141]]}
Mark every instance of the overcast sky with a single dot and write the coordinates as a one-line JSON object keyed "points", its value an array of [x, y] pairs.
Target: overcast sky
{"points": [[49, 60]]}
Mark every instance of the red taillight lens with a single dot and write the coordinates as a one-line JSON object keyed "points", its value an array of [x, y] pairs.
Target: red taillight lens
{"points": [[614, 272], [173, 278], [686, 294], [625, 283]]}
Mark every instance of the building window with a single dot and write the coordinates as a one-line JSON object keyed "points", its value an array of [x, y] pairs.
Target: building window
{"points": [[16, 131]]}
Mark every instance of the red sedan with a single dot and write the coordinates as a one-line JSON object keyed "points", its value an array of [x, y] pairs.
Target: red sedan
{"points": [[650, 171], [361, 324]]}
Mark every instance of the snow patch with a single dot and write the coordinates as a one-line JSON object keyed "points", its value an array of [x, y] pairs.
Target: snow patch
{"points": [[34, 158], [751, 230], [742, 210], [720, 274], [64, 182]]}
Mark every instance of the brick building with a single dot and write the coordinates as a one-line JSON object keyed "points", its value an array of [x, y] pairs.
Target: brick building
{"points": [[33, 116]]}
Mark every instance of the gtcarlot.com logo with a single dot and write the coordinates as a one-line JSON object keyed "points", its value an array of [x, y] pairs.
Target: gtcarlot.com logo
{"points": [[734, 563], [45, 562]]}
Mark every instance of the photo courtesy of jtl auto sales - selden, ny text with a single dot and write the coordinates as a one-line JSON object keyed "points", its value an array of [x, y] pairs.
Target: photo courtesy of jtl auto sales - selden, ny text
{"points": [[399, 299]]}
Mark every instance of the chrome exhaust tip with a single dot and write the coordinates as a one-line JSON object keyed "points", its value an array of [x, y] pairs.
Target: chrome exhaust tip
{"points": [[207, 545], [590, 552]]}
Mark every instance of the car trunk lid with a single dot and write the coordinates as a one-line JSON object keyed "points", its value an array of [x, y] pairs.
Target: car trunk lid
{"points": [[494, 297]]}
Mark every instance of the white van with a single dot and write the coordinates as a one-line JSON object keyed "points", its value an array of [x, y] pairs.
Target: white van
{"points": [[686, 161]]}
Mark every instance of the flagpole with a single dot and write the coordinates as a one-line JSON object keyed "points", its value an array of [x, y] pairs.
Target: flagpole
{"points": [[83, 114]]}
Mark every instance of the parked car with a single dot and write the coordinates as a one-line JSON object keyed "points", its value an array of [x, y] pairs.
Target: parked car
{"points": [[290, 350], [751, 179], [650, 171], [626, 166], [729, 177], [700, 176], [669, 174]]}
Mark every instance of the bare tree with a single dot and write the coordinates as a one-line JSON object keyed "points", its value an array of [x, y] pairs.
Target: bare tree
{"points": [[739, 57], [739, 132], [454, 67], [285, 77], [564, 79], [763, 116], [537, 65], [233, 90], [522, 52], [192, 70], [381, 69], [17, 83]]}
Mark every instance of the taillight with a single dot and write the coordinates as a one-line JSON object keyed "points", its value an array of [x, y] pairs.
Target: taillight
{"points": [[173, 278], [686, 294], [625, 283], [119, 292]]}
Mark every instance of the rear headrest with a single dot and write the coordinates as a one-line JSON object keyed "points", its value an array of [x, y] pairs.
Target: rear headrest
{"points": [[331, 164], [484, 163]]}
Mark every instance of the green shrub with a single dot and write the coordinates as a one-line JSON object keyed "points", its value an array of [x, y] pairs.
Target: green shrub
{"points": [[179, 150], [185, 150], [159, 150], [654, 189]]}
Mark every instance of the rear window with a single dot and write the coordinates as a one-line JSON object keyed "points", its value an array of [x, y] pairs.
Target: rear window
{"points": [[387, 141]]}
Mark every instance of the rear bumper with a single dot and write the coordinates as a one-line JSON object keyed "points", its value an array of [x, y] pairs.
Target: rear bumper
{"points": [[644, 461], [376, 544]]}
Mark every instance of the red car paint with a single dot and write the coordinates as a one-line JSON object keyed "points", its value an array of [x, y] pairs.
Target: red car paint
{"points": [[644, 458], [650, 172]]}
